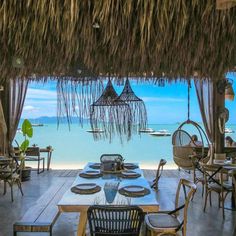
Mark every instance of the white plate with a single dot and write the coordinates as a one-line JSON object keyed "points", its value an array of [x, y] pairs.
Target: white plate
{"points": [[86, 186], [96, 164], [134, 189], [129, 173], [228, 162], [219, 161], [91, 172]]}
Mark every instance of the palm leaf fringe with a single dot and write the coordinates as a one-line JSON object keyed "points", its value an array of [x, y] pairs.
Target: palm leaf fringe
{"points": [[136, 38], [74, 98]]}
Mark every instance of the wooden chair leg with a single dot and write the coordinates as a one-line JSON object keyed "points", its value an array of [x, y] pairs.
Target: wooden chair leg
{"points": [[219, 199], [202, 190], [210, 198], [11, 185], [5, 188], [193, 196], [20, 187], [43, 164], [223, 204], [206, 195], [38, 166], [39, 172]]}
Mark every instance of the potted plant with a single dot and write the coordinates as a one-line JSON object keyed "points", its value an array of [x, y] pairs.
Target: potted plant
{"points": [[27, 132]]}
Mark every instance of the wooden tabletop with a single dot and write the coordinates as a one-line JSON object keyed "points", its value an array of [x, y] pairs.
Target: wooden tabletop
{"points": [[72, 202], [46, 149], [226, 165]]}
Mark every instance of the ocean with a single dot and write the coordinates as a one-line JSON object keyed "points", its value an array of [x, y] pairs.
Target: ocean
{"points": [[75, 147]]}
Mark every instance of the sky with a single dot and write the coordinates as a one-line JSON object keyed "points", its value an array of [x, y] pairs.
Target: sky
{"points": [[165, 105]]}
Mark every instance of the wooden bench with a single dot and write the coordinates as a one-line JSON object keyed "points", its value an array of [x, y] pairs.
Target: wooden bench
{"points": [[42, 216]]}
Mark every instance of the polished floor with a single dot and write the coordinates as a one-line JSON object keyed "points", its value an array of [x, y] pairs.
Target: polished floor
{"points": [[209, 223]]}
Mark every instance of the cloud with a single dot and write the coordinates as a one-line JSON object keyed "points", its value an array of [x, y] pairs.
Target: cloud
{"points": [[41, 94], [41, 102], [163, 99], [29, 108]]}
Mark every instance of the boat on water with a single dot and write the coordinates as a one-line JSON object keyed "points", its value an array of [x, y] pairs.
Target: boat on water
{"points": [[147, 130], [95, 130], [161, 133], [35, 125], [228, 130]]}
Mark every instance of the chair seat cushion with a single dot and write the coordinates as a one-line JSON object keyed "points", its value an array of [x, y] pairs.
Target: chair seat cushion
{"points": [[162, 221], [200, 179], [216, 187]]}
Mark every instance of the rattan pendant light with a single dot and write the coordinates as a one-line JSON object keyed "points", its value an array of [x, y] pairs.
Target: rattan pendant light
{"points": [[137, 106], [110, 115]]}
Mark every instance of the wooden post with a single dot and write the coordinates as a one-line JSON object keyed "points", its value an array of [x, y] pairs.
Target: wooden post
{"points": [[219, 104]]}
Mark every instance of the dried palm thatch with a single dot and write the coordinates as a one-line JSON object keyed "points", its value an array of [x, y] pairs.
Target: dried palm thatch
{"points": [[137, 106], [110, 115], [75, 96], [136, 38]]}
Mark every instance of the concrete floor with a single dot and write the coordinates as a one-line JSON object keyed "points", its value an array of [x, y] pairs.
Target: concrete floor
{"points": [[209, 223]]}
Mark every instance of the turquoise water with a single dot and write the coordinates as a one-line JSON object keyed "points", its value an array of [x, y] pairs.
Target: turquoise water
{"points": [[74, 148]]}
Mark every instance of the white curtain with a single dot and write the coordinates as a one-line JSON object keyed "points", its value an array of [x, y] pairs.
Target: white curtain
{"points": [[205, 95], [13, 98], [3, 131]]}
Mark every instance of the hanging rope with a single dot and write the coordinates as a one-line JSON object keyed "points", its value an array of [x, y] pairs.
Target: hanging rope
{"points": [[189, 86]]}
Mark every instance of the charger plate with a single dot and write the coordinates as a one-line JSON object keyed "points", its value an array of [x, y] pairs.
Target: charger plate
{"points": [[130, 174], [96, 166], [130, 166], [88, 188], [134, 191], [90, 174]]}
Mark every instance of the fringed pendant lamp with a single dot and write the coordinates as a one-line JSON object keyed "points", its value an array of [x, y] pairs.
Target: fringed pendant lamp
{"points": [[137, 106], [110, 115]]}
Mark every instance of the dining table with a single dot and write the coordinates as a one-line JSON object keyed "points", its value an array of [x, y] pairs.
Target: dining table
{"points": [[228, 166], [75, 202]]}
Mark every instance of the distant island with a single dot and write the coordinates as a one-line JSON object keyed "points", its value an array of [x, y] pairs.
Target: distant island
{"points": [[40, 121]]}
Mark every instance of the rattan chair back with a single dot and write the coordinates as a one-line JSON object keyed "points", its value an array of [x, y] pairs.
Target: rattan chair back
{"points": [[185, 184], [33, 152], [214, 181], [111, 157], [158, 173], [10, 173], [115, 220]]}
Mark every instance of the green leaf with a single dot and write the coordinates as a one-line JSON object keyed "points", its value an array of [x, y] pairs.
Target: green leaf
{"points": [[27, 129], [24, 145]]}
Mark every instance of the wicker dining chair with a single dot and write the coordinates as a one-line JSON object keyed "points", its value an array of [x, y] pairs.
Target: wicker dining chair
{"points": [[10, 173], [162, 223], [155, 182], [115, 220], [33, 154], [214, 183], [198, 174]]}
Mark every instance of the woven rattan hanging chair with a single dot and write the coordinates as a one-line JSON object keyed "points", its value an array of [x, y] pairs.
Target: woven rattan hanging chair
{"points": [[183, 145]]}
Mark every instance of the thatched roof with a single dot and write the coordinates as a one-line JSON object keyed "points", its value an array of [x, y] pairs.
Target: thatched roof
{"points": [[137, 38]]}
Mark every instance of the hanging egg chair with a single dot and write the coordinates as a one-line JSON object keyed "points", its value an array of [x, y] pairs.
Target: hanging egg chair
{"points": [[185, 146]]}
